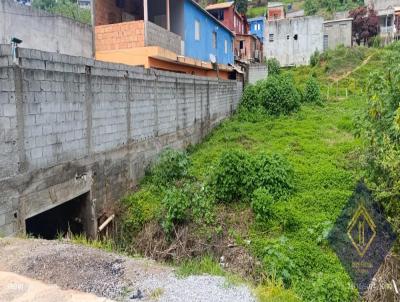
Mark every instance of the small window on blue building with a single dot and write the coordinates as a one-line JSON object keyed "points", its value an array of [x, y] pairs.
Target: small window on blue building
{"points": [[226, 46], [197, 30], [214, 39]]}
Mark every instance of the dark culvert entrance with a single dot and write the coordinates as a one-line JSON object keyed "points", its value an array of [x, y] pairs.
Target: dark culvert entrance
{"points": [[72, 216]]}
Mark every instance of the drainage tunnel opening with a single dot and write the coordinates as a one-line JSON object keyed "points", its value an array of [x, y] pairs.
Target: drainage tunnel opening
{"points": [[71, 216]]}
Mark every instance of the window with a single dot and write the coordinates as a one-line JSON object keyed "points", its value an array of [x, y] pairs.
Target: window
{"points": [[271, 37], [241, 44], [197, 30], [214, 39], [226, 46], [326, 42], [234, 21]]}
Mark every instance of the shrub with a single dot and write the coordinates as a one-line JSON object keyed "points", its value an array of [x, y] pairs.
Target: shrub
{"points": [[233, 176], [250, 97], [192, 202], [273, 66], [171, 166], [312, 92], [261, 204], [176, 206], [237, 174], [315, 58], [274, 173], [279, 95]]}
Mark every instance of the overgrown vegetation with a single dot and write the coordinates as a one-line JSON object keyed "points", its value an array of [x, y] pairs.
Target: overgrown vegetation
{"points": [[264, 191], [66, 8], [380, 130]]}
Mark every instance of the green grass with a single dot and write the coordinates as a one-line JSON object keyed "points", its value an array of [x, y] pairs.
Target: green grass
{"points": [[296, 261]]}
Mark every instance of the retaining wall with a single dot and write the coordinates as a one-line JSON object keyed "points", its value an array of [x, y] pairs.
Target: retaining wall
{"points": [[71, 125]]}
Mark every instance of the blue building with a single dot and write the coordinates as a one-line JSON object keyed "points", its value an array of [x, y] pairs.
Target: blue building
{"points": [[204, 35], [257, 26]]}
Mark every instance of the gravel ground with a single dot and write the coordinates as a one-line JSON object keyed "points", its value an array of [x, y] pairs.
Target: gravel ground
{"points": [[111, 276]]}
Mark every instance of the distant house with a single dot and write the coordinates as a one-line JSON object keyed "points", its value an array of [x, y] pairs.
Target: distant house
{"points": [[295, 14], [388, 12], [248, 48], [229, 16], [293, 41], [176, 35], [276, 11], [337, 32], [257, 27]]}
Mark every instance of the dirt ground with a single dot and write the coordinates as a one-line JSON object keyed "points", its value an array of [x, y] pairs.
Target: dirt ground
{"points": [[16, 288], [61, 267]]}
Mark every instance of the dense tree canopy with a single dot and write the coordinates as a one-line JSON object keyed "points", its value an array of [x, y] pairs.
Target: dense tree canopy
{"points": [[241, 6], [365, 24]]}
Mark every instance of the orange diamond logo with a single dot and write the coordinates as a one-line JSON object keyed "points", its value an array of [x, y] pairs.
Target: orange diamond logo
{"points": [[361, 230]]}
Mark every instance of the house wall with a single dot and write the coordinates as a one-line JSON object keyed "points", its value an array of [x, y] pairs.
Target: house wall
{"points": [[120, 36], [276, 13], [135, 34], [44, 31], [337, 33], [72, 125], [382, 4], [202, 49], [258, 32], [251, 44], [285, 48]]}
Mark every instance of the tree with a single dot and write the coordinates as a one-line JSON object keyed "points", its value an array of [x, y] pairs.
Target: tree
{"points": [[365, 24], [65, 8], [241, 6], [311, 7]]}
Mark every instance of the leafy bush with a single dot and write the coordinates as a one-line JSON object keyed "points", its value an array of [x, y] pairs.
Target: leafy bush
{"points": [[233, 176], [176, 204], [261, 204], [237, 174], [315, 58], [138, 209], [172, 165], [312, 92], [279, 95], [193, 202], [274, 173], [273, 66], [250, 97]]}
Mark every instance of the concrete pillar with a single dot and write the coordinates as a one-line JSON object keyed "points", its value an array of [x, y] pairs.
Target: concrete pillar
{"points": [[145, 11], [168, 15]]}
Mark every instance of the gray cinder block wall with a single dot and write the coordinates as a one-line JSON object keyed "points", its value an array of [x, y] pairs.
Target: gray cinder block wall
{"points": [[44, 31], [293, 41], [70, 126]]}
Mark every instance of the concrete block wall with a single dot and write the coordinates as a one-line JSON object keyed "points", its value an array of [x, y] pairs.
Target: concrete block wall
{"points": [[70, 126], [44, 31], [159, 36]]}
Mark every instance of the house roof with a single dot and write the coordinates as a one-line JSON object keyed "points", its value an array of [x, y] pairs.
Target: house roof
{"points": [[219, 5], [339, 20]]}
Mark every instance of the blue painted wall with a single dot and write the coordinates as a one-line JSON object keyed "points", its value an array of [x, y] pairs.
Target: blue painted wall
{"points": [[258, 32], [202, 49]]}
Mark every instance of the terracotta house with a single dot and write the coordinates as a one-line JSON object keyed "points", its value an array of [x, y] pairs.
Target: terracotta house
{"points": [[248, 48], [276, 11], [227, 14]]}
